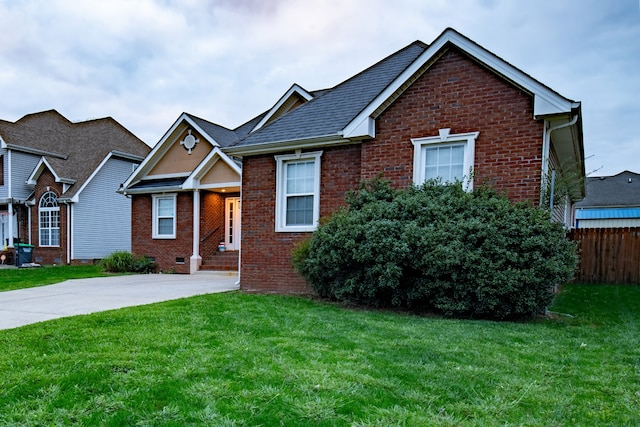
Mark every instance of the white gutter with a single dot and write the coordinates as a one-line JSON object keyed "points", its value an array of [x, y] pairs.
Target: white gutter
{"points": [[276, 146]]}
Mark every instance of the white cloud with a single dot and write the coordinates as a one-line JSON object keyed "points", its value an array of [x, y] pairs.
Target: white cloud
{"points": [[146, 61]]}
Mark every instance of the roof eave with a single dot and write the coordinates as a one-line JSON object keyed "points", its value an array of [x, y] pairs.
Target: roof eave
{"points": [[163, 145], [285, 145], [168, 189], [294, 89], [35, 151], [546, 101]]}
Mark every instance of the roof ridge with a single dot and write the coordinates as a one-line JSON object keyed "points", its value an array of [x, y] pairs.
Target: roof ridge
{"points": [[378, 77]]}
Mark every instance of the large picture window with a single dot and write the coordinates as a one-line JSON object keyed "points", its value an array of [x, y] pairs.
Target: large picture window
{"points": [[298, 191], [447, 157], [49, 220], [164, 216]]}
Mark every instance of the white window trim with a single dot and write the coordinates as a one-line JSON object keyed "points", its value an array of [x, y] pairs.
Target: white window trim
{"points": [[445, 137], [154, 215], [281, 203], [48, 210]]}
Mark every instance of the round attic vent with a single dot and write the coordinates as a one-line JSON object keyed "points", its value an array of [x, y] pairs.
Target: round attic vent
{"points": [[189, 142]]}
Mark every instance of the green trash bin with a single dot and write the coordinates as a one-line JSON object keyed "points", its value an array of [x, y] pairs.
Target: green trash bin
{"points": [[24, 253]]}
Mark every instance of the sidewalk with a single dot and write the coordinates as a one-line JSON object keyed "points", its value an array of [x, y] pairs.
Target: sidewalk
{"points": [[84, 296]]}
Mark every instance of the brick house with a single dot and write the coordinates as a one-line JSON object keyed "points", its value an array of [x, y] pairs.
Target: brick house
{"points": [[58, 183], [440, 110], [186, 198]]}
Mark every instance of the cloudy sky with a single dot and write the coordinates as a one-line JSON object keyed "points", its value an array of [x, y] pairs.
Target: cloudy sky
{"points": [[144, 62]]}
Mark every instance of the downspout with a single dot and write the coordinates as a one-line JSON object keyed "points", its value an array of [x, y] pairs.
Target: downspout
{"points": [[10, 197], [29, 224], [546, 147], [69, 231], [240, 239]]}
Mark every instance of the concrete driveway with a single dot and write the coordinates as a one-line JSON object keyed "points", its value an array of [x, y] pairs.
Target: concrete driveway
{"points": [[84, 296]]}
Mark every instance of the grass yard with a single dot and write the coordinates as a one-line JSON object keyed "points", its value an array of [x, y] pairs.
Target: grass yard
{"points": [[237, 359], [21, 278]]}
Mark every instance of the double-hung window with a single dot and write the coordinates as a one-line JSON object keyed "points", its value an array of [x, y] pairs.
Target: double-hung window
{"points": [[298, 191], [447, 157], [49, 220], [164, 216]]}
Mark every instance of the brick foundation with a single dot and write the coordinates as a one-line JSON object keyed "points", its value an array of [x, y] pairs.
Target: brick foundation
{"points": [[170, 254], [266, 255]]}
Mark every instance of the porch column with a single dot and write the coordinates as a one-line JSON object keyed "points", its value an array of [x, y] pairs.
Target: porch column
{"points": [[196, 259], [10, 229]]}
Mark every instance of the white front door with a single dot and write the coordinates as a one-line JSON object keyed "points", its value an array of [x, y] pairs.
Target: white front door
{"points": [[232, 223]]}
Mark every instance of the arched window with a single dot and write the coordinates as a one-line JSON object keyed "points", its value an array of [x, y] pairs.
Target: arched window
{"points": [[49, 224]]}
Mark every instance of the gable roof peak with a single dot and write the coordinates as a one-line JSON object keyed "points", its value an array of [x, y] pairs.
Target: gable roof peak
{"points": [[46, 113], [285, 104]]}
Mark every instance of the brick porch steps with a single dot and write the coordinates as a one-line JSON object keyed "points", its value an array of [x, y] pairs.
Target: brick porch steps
{"points": [[221, 261]]}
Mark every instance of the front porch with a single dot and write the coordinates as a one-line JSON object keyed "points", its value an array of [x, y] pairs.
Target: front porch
{"points": [[221, 261]]}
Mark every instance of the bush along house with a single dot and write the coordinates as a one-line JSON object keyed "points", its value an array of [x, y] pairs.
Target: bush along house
{"points": [[58, 187], [448, 110]]}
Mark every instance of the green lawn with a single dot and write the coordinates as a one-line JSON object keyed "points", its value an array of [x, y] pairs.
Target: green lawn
{"points": [[236, 359], [20, 278]]}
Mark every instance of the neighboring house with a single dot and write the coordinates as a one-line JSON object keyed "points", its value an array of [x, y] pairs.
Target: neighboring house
{"points": [[59, 182], [449, 110], [610, 202]]}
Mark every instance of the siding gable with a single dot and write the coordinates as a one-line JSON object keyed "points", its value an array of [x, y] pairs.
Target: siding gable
{"points": [[96, 230], [22, 164], [3, 171], [220, 173], [178, 161]]}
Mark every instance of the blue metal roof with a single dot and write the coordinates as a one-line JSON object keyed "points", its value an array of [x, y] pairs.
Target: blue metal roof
{"points": [[607, 213]]}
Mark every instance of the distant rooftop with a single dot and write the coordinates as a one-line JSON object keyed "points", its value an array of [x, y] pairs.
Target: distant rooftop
{"points": [[618, 190]]}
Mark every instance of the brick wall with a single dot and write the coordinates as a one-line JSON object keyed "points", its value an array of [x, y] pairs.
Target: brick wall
{"points": [[458, 93], [211, 222], [454, 93], [266, 255], [165, 251], [48, 255], [22, 213]]}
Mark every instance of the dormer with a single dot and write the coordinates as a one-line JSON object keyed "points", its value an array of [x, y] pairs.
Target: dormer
{"points": [[292, 99]]}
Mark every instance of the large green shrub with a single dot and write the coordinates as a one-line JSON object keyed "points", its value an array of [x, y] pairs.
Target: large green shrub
{"points": [[125, 262], [438, 247]]}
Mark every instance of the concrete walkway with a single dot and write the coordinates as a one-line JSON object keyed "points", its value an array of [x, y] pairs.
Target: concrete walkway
{"points": [[84, 296]]}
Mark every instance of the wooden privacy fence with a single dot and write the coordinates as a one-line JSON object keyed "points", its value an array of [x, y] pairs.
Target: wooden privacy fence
{"points": [[608, 255]]}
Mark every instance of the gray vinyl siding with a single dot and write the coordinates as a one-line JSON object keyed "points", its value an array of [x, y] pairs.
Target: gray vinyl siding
{"points": [[102, 217], [22, 165], [4, 189], [559, 208]]}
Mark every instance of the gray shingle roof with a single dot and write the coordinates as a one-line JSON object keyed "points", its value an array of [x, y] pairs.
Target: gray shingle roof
{"points": [[622, 189], [74, 150], [333, 109], [222, 135]]}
